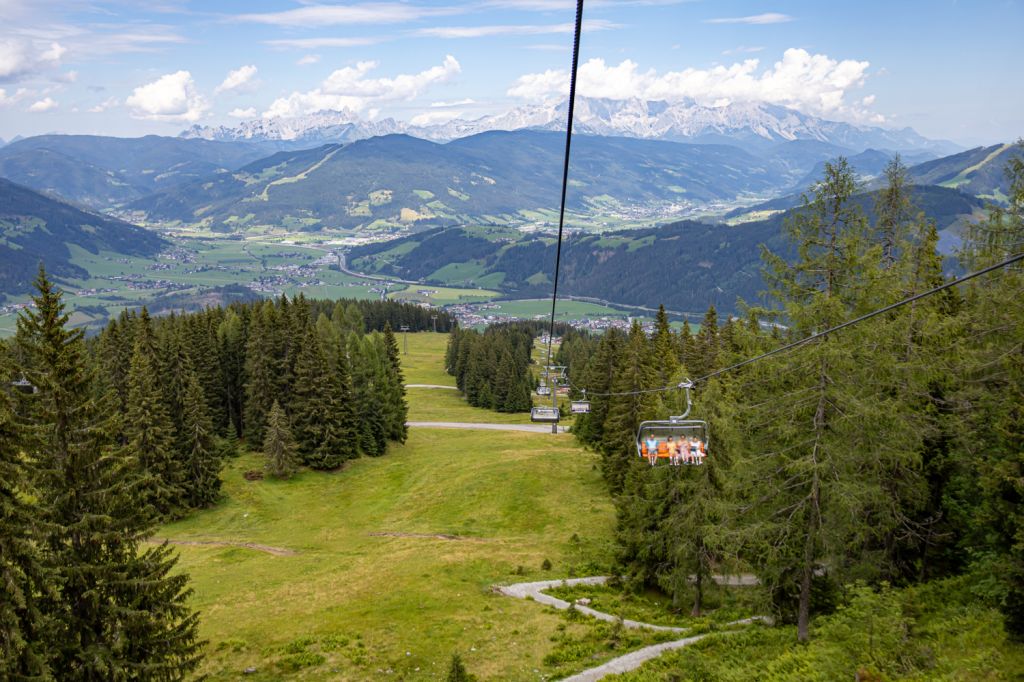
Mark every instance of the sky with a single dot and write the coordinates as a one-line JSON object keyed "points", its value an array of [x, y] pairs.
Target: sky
{"points": [[947, 68]]}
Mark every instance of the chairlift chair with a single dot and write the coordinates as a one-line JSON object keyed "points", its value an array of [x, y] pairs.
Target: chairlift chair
{"points": [[581, 406], [544, 415], [543, 390], [675, 427], [24, 385]]}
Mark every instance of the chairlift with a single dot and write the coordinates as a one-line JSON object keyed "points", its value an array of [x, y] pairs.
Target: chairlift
{"points": [[690, 437], [24, 385], [544, 415], [581, 406], [543, 390]]}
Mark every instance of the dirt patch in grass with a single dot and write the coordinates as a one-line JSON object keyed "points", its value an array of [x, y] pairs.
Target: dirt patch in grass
{"points": [[276, 551]]}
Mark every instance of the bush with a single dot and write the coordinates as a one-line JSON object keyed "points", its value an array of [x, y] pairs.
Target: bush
{"points": [[546, 565]]}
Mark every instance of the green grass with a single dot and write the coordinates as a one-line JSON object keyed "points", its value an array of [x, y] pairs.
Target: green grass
{"points": [[517, 499], [442, 295], [424, 363], [433, 405], [937, 631]]}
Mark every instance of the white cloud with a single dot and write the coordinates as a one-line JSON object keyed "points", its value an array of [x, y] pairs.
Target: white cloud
{"points": [[317, 43], [457, 103], [450, 32], [241, 79], [742, 49], [815, 84], [243, 113], [350, 88], [108, 103], [757, 19], [172, 97], [313, 15], [430, 118], [45, 104], [20, 57], [308, 59]]}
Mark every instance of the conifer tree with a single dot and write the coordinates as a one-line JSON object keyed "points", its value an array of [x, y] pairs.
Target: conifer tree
{"points": [[201, 460], [231, 341], [150, 436], [320, 406], [282, 459], [367, 405], [819, 472], [23, 580], [120, 613], [633, 372], [393, 387], [263, 367], [664, 348], [894, 209]]}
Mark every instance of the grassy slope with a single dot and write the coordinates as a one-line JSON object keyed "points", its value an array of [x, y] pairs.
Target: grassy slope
{"points": [[519, 498]]}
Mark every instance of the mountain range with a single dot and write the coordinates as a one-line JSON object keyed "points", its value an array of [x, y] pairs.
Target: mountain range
{"points": [[749, 124], [99, 172], [491, 177]]}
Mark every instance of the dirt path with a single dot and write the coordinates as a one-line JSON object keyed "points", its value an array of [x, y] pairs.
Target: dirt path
{"points": [[449, 388], [530, 428], [429, 536], [634, 659], [276, 551]]}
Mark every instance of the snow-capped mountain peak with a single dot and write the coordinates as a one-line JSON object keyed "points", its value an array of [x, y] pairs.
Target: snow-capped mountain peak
{"points": [[684, 121]]}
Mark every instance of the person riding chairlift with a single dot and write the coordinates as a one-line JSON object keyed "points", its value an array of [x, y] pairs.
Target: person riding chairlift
{"points": [[652, 449], [673, 451]]}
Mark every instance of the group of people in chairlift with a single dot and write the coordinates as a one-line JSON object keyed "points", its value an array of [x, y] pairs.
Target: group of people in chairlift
{"points": [[682, 450]]}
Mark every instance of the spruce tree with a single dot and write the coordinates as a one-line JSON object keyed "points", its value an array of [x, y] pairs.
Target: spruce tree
{"points": [[150, 437], [263, 367], [122, 609], [282, 459], [393, 388], [23, 580], [633, 372], [201, 460]]}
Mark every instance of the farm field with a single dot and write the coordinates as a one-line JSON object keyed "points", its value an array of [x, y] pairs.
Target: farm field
{"points": [[442, 295]]}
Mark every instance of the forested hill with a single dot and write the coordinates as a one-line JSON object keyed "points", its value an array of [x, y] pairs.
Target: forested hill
{"points": [[35, 228], [100, 172], [684, 265], [488, 177]]}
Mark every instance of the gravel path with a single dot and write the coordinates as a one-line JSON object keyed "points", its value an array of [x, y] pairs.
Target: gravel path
{"points": [[634, 659], [530, 428], [450, 388]]}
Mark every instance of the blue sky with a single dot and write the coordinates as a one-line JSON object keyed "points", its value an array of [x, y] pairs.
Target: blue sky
{"points": [[131, 67]]}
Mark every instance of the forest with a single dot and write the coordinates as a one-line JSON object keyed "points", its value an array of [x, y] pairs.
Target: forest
{"points": [[103, 438], [890, 453]]}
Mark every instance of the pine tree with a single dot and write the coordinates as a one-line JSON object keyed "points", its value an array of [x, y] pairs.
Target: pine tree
{"points": [[457, 671], [23, 580], [319, 408], [150, 436], [664, 348], [282, 459], [633, 372], [263, 367], [201, 461], [366, 405], [393, 387], [122, 610], [894, 210]]}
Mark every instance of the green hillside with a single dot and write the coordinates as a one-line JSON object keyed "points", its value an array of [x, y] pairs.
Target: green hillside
{"points": [[495, 177], [684, 265], [978, 172], [101, 172], [35, 228]]}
